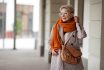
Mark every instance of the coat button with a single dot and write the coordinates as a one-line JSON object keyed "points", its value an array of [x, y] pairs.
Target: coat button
{"points": [[72, 44], [73, 35]]}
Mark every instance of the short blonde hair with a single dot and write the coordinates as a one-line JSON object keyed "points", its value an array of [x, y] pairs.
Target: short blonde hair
{"points": [[68, 7]]}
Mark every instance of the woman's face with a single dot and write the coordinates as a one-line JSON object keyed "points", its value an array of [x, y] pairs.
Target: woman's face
{"points": [[65, 15]]}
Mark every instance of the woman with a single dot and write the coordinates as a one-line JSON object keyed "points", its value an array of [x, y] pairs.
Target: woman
{"points": [[66, 26]]}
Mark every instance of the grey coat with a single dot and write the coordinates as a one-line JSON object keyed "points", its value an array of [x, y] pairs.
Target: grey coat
{"points": [[69, 38]]}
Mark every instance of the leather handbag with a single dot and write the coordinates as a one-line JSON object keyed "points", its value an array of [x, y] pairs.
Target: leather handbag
{"points": [[70, 54]]}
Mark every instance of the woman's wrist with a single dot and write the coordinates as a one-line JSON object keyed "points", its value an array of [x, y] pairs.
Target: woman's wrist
{"points": [[76, 18], [54, 52]]}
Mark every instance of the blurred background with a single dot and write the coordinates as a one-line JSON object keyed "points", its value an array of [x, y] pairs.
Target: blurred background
{"points": [[19, 19], [25, 27]]}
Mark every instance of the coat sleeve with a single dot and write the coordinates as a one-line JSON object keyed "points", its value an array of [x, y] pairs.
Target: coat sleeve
{"points": [[80, 31]]}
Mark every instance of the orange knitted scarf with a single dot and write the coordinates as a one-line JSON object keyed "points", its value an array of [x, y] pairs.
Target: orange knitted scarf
{"points": [[56, 42]]}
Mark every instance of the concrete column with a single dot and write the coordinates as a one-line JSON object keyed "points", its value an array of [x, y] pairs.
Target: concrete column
{"points": [[47, 28], [81, 10], [86, 27], [76, 7], [102, 39], [40, 47], [95, 36]]}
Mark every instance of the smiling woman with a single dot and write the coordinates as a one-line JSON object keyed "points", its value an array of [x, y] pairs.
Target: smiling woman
{"points": [[65, 12], [66, 32]]}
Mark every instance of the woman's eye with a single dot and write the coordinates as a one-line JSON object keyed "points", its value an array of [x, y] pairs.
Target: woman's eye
{"points": [[61, 14], [65, 13]]}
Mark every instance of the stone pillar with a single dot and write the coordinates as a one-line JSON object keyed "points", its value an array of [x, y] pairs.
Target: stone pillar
{"points": [[95, 36], [81, 10], [47, 28], [40, 47], [86, 27], [102, 39], [76, 7]]}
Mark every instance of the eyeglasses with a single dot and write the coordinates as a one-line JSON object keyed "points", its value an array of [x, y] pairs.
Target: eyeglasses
{"points": [[64, 14]]}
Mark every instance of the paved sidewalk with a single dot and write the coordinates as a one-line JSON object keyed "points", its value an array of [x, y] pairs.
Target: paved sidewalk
{"points": [[21, 60]]}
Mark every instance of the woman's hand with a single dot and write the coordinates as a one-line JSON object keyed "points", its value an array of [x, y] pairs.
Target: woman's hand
{"points": [[54, 52], [63, 46], [76, 18]]}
